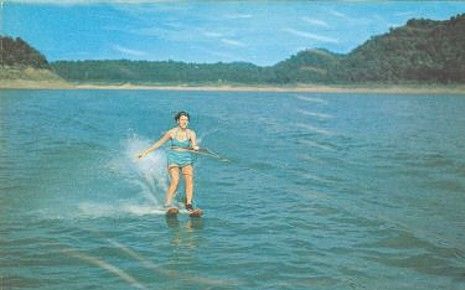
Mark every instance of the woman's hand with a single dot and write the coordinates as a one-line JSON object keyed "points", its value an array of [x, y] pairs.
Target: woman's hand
{"points": [[155, 146]]}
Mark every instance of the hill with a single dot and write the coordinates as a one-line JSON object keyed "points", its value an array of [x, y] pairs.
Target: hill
{"points": [[23, 65], [421, 52], [309, 66], [18, 53]]}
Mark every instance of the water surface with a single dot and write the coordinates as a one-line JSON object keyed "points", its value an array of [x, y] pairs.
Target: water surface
{"points": [[321, 191]]}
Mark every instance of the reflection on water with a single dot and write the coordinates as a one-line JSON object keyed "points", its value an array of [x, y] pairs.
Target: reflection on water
{"points": [[185, 234], [172, 222], [191, 224]]}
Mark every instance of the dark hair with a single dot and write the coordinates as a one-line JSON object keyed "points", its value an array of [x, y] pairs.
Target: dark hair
{"points": [[182, 113]]}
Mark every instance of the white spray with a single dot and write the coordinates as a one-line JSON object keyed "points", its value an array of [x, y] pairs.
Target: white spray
{"points": [[148, 175]]}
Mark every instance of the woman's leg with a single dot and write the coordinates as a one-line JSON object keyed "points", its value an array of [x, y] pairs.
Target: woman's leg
{"points": [[174, 181], [188, 173]]}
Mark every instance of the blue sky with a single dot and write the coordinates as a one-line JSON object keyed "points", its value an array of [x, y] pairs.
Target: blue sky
{"points": [[261, 32]]}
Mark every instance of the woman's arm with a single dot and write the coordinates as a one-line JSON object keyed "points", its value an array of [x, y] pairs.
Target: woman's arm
{"points": [[155, 146], [194, 140]]}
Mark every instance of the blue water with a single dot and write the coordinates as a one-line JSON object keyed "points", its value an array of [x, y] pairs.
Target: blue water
{"points": [[321, 191]]}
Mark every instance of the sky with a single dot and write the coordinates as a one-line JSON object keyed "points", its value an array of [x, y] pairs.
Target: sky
{"points": [[260, 32]]}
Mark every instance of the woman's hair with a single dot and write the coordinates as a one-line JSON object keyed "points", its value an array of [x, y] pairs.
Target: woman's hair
{"points": [[182, 113]]}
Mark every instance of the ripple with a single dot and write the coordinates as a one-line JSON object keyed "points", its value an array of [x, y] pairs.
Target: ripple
{"points": [[310, 99], [320, 116], [317, 145], [312, 128]]}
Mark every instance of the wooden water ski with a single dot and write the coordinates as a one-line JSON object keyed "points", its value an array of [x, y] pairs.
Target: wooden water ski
{"points": [[196, 213], [172, 211]]}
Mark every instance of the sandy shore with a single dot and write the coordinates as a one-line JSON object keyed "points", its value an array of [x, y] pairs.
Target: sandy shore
{"points": [[388, 89]]}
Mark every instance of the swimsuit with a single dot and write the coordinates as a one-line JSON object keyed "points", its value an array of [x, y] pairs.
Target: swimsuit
{"points": [[179, 158]]}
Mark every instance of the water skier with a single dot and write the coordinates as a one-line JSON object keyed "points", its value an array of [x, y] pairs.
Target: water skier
{"points": [[180, 159]]}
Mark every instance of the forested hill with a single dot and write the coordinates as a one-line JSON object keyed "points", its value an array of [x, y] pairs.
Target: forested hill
{"points": [[422, 51], [18, 53]]}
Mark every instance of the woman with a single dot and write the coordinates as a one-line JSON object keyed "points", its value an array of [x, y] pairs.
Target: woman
{"points": [[179, 158]]}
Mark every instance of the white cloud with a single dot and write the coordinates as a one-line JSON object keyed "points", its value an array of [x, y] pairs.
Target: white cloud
{"points": [[212, 34], [129, 51], [232, 42], [315, 21], [312, 36], [406, 13], [179, 34], [87, 2], [238, 16], [151, 31], [338, 14]]}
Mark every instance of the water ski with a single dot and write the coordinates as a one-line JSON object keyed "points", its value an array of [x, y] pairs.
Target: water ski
{"points": [[196, 213], [172, 211]]}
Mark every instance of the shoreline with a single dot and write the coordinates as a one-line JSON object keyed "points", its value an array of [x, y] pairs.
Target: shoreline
{"points": [[375, 88]]}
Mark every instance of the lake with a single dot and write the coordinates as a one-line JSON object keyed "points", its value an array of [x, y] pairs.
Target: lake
{"points": [[319, 191]]}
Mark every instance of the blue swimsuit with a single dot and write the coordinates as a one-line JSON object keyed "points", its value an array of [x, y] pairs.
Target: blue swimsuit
{"points": [[179, 158]]}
